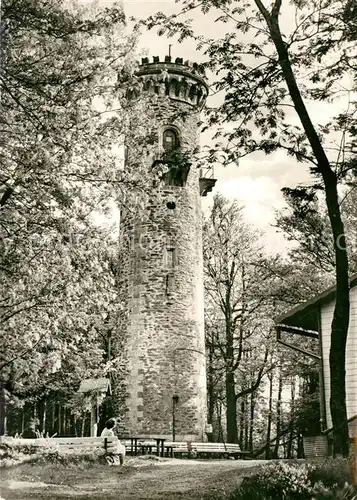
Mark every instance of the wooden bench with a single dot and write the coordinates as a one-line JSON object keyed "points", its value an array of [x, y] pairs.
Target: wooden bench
{"points": [[235, 451], [200, 449], [108, 445], [221, 449], [176, 448]]}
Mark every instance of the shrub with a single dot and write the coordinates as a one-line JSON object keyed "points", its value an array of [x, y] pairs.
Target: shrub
{"points": [[307, 415], [283, 481], [348, 492], [279, 481], [73, 458], [15, 453], [331, 472]]}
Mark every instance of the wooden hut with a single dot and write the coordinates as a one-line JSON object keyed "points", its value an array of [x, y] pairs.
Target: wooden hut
{"points": [[313, 319], [96, 389]]}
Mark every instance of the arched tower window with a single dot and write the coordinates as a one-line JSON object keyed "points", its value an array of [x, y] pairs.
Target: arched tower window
{"points": [[170, 140], [173, 157]]}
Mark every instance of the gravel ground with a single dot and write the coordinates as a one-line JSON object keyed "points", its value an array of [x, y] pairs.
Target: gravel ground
{"points": [[139, 479]]}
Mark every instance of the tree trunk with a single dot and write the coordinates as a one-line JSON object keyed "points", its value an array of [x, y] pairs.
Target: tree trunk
{"points": [[59, 420], [289, 451], [300, 447], [83, 424], [246, 423], [22, 420], [220, 434], [210, 386], [340, 322], [2, 411], [270, 410], [232, 431], [278, 415], [65, 421], [285, 448], [53, 417], [44, 410], [251, 421], [241, 425], [74, 425]]}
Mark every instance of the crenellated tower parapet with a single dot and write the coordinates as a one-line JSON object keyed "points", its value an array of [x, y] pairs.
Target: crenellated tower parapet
{"points": [[179, 80]]}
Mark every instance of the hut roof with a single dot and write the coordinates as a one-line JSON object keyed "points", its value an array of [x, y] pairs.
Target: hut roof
{"points": [[95, 385], [305, 314]]}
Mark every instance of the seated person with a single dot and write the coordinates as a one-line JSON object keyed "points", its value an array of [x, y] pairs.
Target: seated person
{"points": [[108, 431], [30, 431]]}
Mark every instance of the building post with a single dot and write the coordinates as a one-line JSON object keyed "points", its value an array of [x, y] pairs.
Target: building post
{"points": [[94, 417]]}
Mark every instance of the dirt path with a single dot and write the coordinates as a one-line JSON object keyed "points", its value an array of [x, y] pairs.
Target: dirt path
{"points": [[167, 480]]}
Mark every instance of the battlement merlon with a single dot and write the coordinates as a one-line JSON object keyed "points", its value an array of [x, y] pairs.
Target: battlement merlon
{"points": [[192, 68], [180, 80]]}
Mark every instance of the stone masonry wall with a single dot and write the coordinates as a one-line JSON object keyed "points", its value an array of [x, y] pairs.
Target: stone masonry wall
{"points": [[161, 286]]}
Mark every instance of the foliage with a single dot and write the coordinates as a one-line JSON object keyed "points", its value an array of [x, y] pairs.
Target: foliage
{"points": [[251, 80], [63, 343], [65, 69], [347, 492], [304, 221], [15, 454], [244, 290], [330, 472], [297, 481], [307, 415], [236, 308], [49, 453], [277, 481]]}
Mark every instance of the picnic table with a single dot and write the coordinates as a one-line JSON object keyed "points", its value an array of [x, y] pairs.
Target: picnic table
{"points": [[145, 446]]}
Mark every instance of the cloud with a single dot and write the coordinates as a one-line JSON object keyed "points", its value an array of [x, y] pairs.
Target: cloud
{"points": [[256, 184], [258, 179]]}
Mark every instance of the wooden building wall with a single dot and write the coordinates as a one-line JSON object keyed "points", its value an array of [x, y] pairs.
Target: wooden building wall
{"points": [[351, 355]]}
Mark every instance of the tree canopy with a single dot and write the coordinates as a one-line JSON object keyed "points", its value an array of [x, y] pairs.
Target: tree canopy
{"points": [[64, 74]]}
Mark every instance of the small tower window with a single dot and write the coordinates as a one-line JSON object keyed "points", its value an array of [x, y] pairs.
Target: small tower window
{"points": [[170, 257], [170, 140], [178, 166], [126, 153], [171, 205]]}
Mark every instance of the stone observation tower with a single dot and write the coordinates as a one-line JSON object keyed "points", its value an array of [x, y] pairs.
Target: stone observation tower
{"points": [[161, 265]]}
